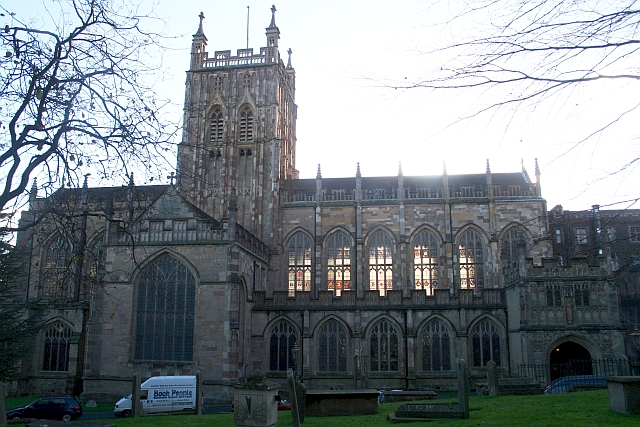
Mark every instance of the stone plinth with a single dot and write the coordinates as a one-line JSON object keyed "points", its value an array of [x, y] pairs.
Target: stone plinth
{"points": [[254, 402], [624, 394]]}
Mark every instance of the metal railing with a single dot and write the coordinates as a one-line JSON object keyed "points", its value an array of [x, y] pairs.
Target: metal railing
{"points": [[545, 373]]}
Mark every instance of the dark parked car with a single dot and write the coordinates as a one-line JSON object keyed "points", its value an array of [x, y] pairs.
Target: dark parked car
{"points": [[575, 383], [48, 408]]}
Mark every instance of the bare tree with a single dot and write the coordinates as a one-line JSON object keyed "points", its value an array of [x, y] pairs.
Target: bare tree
{"points": [[515, 53], [77, 97]]}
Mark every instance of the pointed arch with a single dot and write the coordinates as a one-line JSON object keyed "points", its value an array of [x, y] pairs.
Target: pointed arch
{"points": [[57, 271], [300, 261], [165, 306], [426, 256], [332, 347], [245, 124], [283, 337], [487, 341], [384, 350], [57, 345], [380, 248], [216, 125], [513, 244], [471, 257], [338, 249], [436, 337]]}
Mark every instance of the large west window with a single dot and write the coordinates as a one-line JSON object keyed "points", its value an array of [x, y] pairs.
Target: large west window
{"points": [[246, 125], [281, 343], [332, 343], [380, 263], [436, 347], [425, 262], [485, 343], [300, 256], [384, 347], [470, 260], [57, 342], [339, 263], [165, 312]]}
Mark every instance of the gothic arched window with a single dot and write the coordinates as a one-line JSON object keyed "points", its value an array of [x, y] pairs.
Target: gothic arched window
{"points": [[425, 261], [512, 245], [165, 312], [57, 281], [485, 343], [339, 263], [57, 341], [332, 354], [281, 343], [217, 126], [471, 260], [436, 347], [300, 257], [246, 125], [384, 347], [380, 263]]}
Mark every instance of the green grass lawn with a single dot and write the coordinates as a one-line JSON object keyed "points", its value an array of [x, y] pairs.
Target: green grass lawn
{"points": [[589, 408]]}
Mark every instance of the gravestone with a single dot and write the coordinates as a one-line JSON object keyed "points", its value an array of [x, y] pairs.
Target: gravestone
{"points": [[438, 411], [255, 402], [492, 378]]}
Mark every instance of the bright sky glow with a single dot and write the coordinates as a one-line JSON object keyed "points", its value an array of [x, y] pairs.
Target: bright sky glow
{"points": [[342, 49]]}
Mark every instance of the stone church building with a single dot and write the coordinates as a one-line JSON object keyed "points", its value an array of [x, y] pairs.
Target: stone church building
{"points": [[359, 281]]}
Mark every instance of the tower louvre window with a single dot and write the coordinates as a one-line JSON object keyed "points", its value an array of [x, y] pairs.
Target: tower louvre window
{"points": [[246, 125], [217, 125]]}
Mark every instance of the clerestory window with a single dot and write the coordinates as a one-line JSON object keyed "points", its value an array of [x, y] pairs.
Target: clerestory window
{"points": [[425, 262], [470, 260], [380, 263], [300, 257], [339, 263]]}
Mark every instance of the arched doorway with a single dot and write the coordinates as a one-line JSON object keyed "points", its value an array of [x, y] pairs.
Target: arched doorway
{"points": [[570, 358]]}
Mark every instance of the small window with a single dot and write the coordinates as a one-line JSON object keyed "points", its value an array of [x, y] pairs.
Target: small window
{"points": [[634, 234], [581, 236], [467, 191], [558, 236]]}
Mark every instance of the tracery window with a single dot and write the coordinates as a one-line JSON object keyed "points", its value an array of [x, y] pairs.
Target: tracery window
{"points": [[217, 126], [339, 263], [436, 347], [281, 343], [512, 246], [425, 262], [165, 312], [57, 342], [384, 347], [246, 125], [485, 343], [57, 281], [300, 257], [554, 296], [380, 263], [332, 355], [470, 260]]}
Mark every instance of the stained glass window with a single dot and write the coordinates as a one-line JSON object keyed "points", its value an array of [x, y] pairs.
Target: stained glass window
{"points": [[332, 355], [57, 280], [300, 262], [436, 347], [425, 262], [470, 260], [380, 263], [281, 343], [384, 347], [339, 263], [165, 312], [485, 343], [57, 341]]}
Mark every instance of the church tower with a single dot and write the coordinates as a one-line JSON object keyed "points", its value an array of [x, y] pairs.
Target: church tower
{"points": [[239, 131]]}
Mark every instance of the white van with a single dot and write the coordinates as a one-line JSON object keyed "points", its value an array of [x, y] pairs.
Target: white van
{"points": [[162, 394]]}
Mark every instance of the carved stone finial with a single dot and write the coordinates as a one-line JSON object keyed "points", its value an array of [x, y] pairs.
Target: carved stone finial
{"points": [[319, 174], [86, 180], [488, 167], [200, 31], [273, 16], [131, 182], [537, 167], [444, 167], [358, 171], [399, 168], [171, 177], [289, 61]]}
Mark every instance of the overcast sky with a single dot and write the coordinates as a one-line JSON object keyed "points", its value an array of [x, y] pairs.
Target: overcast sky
{"points": [[341, 49]]}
